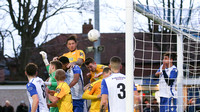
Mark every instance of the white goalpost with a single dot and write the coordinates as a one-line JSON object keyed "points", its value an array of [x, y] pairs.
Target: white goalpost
{"points": [[129, 56]]}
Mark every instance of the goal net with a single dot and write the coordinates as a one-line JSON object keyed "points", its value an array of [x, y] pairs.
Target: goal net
{"points": [[157, 31]]}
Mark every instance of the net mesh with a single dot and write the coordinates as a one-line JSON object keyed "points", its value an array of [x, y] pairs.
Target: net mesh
{"points": [[156, 35]]}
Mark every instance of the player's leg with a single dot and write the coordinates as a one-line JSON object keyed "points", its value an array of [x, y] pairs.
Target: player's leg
{"points": [[173, 106], [164, 104]]}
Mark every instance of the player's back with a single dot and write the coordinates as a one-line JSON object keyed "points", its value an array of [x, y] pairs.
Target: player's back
{"points": [[116, 92], [36, 86]]}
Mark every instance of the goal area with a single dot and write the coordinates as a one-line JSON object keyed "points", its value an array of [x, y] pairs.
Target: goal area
{"points": [[158, 30]]}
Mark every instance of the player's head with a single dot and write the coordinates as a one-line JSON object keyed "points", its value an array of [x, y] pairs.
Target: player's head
{"points": [[91, 64], [65, 61], [169, 58], [54, 65], [71, 42], [106, 72], [115, 63], [31, 69], [60, 75]]}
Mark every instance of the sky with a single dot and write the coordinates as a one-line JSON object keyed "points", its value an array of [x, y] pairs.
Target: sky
{"points": [[112, 20]]}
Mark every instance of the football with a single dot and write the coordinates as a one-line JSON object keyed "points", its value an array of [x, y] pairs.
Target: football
{"points": [[93, 35]]}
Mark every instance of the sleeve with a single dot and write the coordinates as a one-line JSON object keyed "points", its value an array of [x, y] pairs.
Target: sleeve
{"points": [[104, 89], [31, 89], [154, 76], [47, 67], [60, 92], [76, 69], [82, 55], [135, 89], [54, 84], [88, 94]]}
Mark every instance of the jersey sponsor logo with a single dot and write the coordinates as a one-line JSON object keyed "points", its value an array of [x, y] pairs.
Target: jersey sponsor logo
{"points": [[90, 88], [118, 78], [30, 88], [58, 90], [70, 59], [81, 54]]}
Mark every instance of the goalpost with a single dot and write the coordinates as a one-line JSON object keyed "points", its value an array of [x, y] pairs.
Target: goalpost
{"points": [[147, 52]]}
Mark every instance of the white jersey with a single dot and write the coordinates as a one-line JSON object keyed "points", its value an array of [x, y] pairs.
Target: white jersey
{"points": [[77, 89], [114, 87], [36, 86], [165, 89]]}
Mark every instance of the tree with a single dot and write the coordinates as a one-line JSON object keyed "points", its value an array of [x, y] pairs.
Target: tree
{"points": [[28, 17], [169, 12]]}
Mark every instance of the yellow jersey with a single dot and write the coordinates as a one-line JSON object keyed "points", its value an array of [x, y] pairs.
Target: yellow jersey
{"points": [[73, 56], [65, 98], [98, 70], [95, 90]]}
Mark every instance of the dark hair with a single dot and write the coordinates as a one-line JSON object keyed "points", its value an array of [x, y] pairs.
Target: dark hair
{"points": [[31, 69], [57, 64], [106, 70], [89, 60], [63, 60], [60, 75], [171, 55], [72, 37]]}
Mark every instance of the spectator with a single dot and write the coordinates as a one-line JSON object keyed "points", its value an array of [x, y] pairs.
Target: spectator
{"points": [[154, 105], [1, 108], [8, 107], [22, 107], [147, 108]]}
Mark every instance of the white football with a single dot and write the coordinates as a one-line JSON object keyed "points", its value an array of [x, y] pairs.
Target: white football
{"points": [[93, 35]]}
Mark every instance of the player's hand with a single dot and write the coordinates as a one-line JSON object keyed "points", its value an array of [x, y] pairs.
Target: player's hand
{"points": [[158, 74], [72, 64], [44, 54], [98, 75], [55, 58], [99, 96], [88, 75]]}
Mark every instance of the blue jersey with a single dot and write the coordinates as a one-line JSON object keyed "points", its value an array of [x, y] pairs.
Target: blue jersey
{"points": [[77, 89], [36, 87], [167, 82]]}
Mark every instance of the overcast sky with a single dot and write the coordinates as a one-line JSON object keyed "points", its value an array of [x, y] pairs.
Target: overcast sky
{"points": [[111, 20]]}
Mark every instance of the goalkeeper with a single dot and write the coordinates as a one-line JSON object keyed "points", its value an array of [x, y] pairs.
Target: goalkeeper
{"points": [[167, 74], [51, 84]]}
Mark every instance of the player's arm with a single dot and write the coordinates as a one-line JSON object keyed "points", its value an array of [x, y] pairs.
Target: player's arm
{"points": [[104, 104], [77, 71], [35, 103], [104, 96], [75, 80], [137, 100], [88, 94], [33, 93], [44, 57], [53, 99], [79, 62]]}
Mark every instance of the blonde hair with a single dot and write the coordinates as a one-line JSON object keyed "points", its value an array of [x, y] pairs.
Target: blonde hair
{"points": [[60, 75]]}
